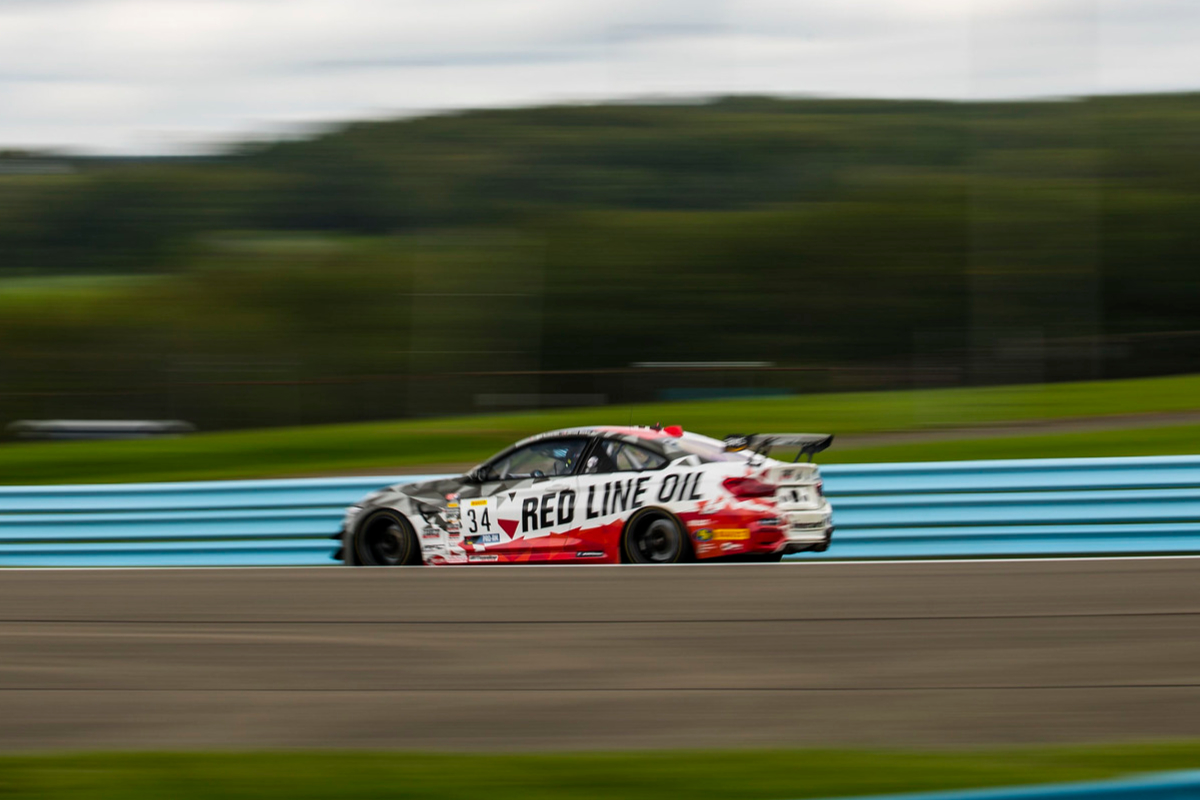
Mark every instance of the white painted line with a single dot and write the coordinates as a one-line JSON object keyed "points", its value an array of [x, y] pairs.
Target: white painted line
{"points": [[986, 560], [510, 567]]}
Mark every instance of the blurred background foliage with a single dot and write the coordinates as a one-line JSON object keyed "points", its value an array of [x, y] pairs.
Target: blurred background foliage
{"points": [[461, 262]]}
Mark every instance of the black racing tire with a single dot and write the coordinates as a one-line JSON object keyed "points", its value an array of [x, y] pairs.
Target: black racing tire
{"points": [[655, 536], [382, 538]]}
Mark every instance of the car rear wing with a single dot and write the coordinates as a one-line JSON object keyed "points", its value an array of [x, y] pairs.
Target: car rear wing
{"points": [[809, 443]]}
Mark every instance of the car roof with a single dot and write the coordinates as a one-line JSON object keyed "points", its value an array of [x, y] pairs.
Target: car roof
{"points": [[607, 431], [640, 431]]}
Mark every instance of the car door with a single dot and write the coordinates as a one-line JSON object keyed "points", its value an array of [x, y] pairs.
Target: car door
{"points": [[617, 478], [527, 504]]}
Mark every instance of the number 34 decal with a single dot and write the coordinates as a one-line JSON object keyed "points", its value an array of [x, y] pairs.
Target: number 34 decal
{"points": [[477, 518]]}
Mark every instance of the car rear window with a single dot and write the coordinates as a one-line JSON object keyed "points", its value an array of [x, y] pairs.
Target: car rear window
{"points": [[704, 447], [616, 456]]}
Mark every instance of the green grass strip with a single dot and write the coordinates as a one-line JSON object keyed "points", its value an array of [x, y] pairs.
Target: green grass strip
{"points": [[695, 775], [1165, 441], [329, 448]]}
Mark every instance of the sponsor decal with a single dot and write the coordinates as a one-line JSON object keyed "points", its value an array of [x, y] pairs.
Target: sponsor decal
{"points": [[731, 534], [479, 502], [431, 535], [705, 548], [478, 559], [704, 535], [680, 488], [589, 554], [561, 509], [629, 494], [727, 546], [452, 505], [552, 508], [487, 538]]}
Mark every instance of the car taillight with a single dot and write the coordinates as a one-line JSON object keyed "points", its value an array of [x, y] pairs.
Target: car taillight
{"points": [[820, 488], [749, 487]]}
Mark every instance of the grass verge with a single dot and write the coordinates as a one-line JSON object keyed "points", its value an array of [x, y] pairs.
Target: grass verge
{"points": [[698, 775], [1165, 441], [330, 448]]}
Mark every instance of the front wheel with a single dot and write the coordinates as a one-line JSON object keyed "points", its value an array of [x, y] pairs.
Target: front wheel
{"points": [[655, 537], [383, 539]]}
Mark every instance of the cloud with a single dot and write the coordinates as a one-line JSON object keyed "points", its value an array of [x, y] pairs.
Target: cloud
{"points": [[169, 75]]}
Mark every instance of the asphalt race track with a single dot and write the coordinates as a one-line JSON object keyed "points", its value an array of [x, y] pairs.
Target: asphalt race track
{"points": [[476, 658]]}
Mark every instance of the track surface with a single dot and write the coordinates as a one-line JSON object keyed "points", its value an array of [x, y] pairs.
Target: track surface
{"points": [[609, 657]]}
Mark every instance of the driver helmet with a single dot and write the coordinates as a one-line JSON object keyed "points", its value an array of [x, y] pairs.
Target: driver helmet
{"points": [[563, 453]]}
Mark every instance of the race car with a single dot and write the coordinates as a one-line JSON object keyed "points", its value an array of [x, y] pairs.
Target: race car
{"points": [[603, 495]]}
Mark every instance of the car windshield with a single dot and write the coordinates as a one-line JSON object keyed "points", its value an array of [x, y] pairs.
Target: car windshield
{"points": [[537, 460]]}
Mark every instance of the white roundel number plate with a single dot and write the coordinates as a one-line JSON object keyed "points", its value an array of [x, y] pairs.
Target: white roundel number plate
{"points": [[477, 516]]}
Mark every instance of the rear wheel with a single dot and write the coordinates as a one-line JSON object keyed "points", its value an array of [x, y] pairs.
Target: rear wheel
{"points": [[655, 537], [383, 539]]}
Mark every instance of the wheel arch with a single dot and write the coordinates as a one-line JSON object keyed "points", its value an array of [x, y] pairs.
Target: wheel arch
{"points": [[350, 543], [688, 550]]}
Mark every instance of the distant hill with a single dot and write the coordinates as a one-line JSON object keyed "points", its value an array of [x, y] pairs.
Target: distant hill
{"points": [[909, 240]]}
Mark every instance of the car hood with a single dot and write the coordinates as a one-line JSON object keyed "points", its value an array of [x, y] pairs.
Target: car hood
{"points": [[433, 492]]}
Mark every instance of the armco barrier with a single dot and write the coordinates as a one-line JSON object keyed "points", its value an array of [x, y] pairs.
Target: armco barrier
{"points": [[1165, 786], [219, 523], [1020, 507], [945, 509]]}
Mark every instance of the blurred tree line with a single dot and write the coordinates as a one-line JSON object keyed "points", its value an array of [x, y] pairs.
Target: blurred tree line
{"points": [[437, 265]]}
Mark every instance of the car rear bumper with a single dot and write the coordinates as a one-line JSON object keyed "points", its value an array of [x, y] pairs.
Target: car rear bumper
{"points": [[794, 532], [807, 545]]}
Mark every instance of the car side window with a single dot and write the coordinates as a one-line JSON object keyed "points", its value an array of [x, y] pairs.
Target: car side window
{"points": [[539, 460], [615, 456], [636, 459]]}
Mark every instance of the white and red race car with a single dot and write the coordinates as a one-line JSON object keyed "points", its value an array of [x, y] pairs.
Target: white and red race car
{"points": [[606, 495]]}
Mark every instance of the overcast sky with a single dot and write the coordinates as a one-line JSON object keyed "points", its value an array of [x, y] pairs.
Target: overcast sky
{"points": [[153, 76]]}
